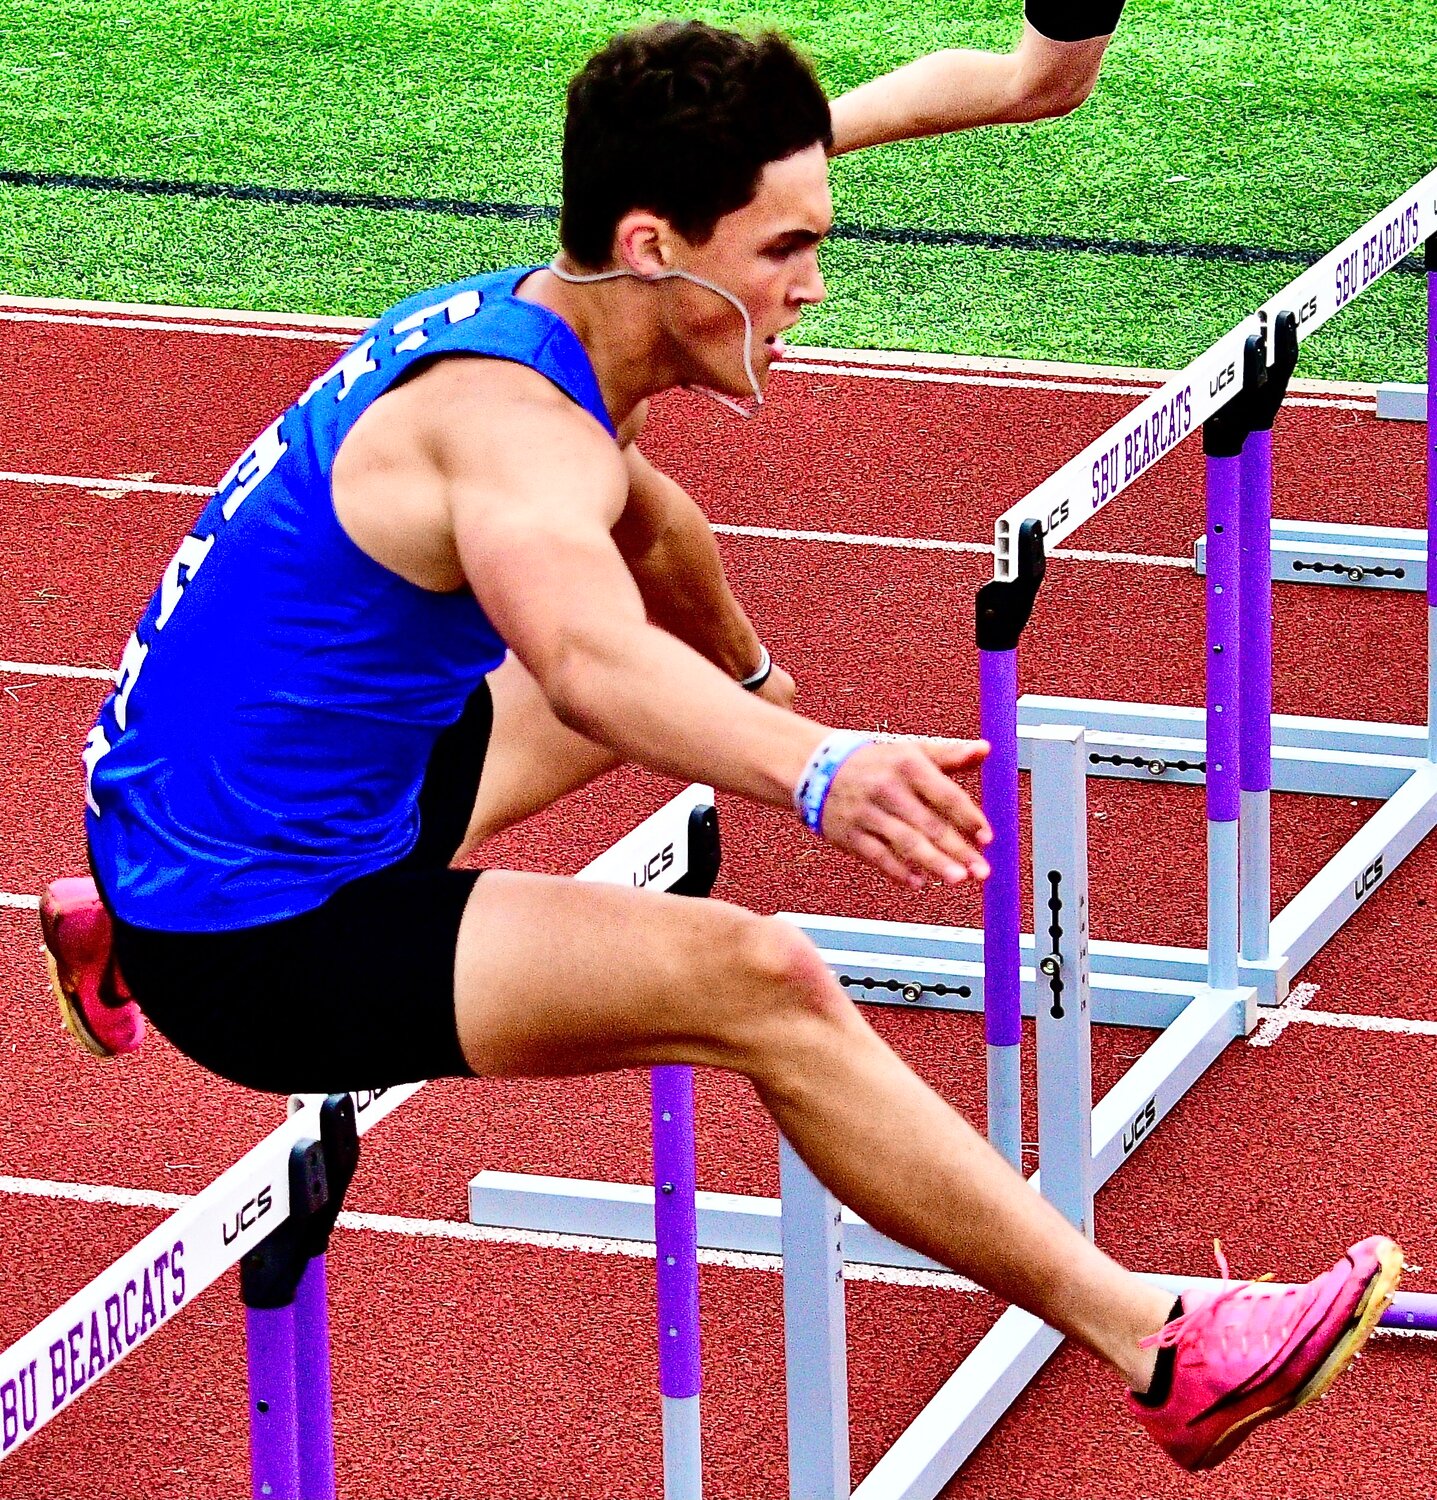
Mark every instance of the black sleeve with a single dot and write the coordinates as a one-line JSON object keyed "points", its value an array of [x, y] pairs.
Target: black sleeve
{"points": [[1073, 20]]}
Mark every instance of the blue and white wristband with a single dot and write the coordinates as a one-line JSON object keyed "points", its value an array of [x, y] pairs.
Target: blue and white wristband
{"points": [[811, 793]]}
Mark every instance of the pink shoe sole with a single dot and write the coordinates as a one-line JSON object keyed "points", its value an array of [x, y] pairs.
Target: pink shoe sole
{"points": [[95, 1004], [1375, 1301]]}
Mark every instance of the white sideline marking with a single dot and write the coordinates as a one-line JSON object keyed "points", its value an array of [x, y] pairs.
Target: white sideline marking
{"points": [[1019, 382], [1347, 1021], [159, 325], [896, 364], [449, 1229], [44, 669], [931, 544], [130, 486], [161, 310], [20, 903]]}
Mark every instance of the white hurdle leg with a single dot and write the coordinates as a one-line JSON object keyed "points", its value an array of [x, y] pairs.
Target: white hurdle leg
{"points": [[1060, 928], [815, 1334]]}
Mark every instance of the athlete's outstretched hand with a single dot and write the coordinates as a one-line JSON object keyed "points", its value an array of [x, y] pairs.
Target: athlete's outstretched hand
{"points": [[893, 805]]}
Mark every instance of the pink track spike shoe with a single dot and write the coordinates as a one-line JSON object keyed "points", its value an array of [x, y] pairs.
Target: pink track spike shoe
{"points": [[1249, 1352], [95, 1003]]}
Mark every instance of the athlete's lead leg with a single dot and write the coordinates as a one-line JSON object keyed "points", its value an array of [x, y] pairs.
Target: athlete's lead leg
{"points": [[553, 977]]}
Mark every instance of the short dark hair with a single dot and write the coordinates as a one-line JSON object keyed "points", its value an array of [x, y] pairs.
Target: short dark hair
{"points": [[681, 118]]}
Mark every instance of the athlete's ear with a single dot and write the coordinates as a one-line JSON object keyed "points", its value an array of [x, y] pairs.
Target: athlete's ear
{"points": [[642, 243]]}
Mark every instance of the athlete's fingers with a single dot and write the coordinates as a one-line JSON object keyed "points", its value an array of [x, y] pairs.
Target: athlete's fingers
{"points": [[917, 853], [956, 755], [903, 802], [873, 851], [951, 802]]}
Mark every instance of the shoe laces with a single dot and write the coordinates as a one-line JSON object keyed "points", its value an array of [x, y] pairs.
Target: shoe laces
{"points": [[1241, 1317]]}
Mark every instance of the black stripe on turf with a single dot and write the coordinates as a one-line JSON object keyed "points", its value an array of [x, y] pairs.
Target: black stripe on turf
{"points": [[462, 208]]}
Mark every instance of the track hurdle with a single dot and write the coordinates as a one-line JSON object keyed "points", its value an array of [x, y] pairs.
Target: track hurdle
{"points": [[1199, 999], [272, 1214], [1381, 557]]}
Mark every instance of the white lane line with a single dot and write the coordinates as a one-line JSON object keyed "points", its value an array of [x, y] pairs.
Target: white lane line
{"points": [[45, 669], [775, 533], [1020, 382], [1291, 1012], [930, 544], [1350, 1021], [160, 325], [210, 314], [1290, 1009], [934, 377], [449, 1229], [893, 364], [124, 486]]}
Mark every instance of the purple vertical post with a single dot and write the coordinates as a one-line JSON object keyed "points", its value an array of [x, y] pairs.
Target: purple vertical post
{"points": [[1003, 608], [676, 1244], [1002, 903], [1255, 701], [1255, 612], [273, 1414], [313, 1396], [1431, 258], [1224, 480]]}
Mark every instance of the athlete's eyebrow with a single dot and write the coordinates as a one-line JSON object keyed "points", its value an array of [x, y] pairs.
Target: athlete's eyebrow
{"points": [[795, 239]]}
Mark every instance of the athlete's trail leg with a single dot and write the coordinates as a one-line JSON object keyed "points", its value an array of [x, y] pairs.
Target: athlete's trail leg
{"points": [[533, 759]]}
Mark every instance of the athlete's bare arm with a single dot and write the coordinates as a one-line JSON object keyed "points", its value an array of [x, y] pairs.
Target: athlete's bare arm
{"points": [[959, 88], [533, 491]]}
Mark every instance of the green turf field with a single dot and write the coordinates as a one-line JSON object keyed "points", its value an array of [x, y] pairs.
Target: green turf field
{"points": [[1278, 126]]}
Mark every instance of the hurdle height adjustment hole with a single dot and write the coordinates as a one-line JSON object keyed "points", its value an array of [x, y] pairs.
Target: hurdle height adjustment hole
{"points": [[263, 1407]]}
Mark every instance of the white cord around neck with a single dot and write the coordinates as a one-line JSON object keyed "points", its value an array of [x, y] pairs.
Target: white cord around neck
{"points": [[577, 278]]}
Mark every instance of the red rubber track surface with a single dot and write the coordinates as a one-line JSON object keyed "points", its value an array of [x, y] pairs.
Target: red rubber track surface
{"points": [[499, 1369]]}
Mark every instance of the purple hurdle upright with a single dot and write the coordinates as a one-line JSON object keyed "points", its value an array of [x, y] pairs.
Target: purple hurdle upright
{"points": [[1255, 645], [1225, 434], [1431, 257], [282, 1415], [676, 1241], [284, 1285], [677, 1248], [1003, 608]]}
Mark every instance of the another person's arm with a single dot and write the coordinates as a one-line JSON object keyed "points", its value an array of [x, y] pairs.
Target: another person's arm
{"points": [[673, 555], [1050, 72]]}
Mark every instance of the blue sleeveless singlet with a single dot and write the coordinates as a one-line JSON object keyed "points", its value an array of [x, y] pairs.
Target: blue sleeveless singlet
{"points": [[275, 708]]}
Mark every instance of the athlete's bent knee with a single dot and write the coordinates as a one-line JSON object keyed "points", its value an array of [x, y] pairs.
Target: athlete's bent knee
{"points": [[789, 970]]}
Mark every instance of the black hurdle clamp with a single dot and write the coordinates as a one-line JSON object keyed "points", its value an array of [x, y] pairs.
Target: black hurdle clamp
{"points": [[1272, 389], [1254, 407], [320, 1172], [705, 854], [1004, 605]]}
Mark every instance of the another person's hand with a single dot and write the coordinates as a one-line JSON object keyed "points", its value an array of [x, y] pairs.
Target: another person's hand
{"points": [[779, 688], [893, 805]]}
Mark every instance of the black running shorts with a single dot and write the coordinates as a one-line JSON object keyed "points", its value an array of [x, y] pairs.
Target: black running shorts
{"points": [[358, 993], [1073, 20]]}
